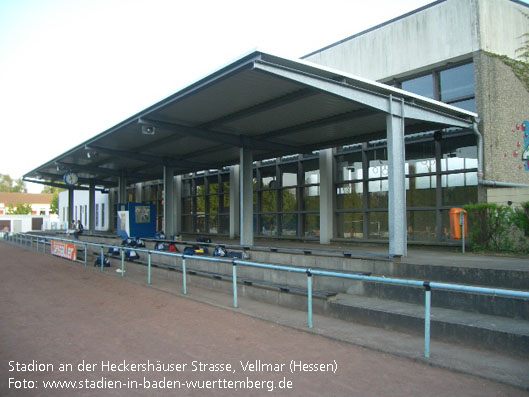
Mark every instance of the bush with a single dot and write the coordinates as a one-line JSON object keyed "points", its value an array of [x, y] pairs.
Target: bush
{"points": [[521, 218], [490, 226]]}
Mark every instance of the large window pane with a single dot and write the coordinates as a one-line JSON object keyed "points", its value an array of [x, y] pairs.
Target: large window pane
{"points": [[349, 167], [422, 225], [378, 225], [457, 82], [311, 171], [290, 202], [421, 193], [213, 224], [349, 196], [289, 175], [268, 225], [312, 225], [350, 225], [421, 85], [289, 225], [268, 177], [311, 198], [269, 201]]}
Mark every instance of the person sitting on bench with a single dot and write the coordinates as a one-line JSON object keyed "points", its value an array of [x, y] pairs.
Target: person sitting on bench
{"points": [[78, 230]]}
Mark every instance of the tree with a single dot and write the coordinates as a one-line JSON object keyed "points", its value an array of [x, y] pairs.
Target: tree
{"points": [[54, 204], [22, 209], [8, 184]]}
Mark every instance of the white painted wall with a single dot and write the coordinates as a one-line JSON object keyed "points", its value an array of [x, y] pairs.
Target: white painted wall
{"points": [[80, 202], [23, 223]]}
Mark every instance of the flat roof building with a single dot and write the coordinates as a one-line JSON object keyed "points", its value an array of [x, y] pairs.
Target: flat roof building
{"points": [[306, 149]]}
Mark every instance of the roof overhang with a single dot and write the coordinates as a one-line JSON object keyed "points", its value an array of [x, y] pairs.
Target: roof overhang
{"points": [[272, 105]]}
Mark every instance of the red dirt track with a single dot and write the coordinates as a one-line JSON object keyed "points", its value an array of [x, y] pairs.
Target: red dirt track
{"points": [[54, 311]]}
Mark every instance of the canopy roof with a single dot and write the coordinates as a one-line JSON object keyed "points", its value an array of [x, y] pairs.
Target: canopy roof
{"points": [[273, 105]]}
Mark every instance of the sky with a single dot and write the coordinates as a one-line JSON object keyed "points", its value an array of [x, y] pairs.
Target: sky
{"points": [[71, 69]]}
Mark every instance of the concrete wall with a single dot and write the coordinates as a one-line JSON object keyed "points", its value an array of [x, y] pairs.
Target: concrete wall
{"points": [[501, 26], [503, 104], [431, 37], [446, 32], [23, 223], [502, 196]]}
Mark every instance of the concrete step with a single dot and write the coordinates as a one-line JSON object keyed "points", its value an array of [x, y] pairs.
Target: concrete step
{"points": [[516, 308], [493, 333]]}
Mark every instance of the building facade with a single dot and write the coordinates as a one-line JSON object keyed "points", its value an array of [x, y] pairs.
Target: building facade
{"points": [[458, 52]]}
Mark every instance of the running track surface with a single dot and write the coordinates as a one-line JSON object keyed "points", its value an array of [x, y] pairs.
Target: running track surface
{"points": [[54, 311]]}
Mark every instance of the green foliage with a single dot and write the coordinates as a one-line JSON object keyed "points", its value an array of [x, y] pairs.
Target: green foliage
{"points": [[21, 209], [498, 228], [490, 226], [54, 204], [521, 218], [10, 185]]}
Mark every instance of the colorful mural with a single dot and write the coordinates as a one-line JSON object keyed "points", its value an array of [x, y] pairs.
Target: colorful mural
{"points": [[522, 147], [525, 154]]}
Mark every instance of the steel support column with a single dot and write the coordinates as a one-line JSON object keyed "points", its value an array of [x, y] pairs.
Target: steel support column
{"points": [[122, 190], [168, 201], [397, 185], [70, 207], [246, 196], [326, 196], [92, 208], [178, 204], [234, 201]]}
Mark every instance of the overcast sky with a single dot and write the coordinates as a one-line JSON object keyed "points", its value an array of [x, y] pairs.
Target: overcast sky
{"points": [[70, 69]]}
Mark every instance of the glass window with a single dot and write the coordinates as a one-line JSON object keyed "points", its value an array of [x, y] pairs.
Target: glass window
{"points": [[349, 196], [311, 171], [290, 202], [421, 85], [268, 177], [422, 225], [97, 215], [268, 225], [457, 82], [469, 104], [224, 224], [378, 225], [102, 215], [187, 223], [268, 201], [289, 174], [311, 198], [214, 204], [186, 205], [213, 224], [289, 225], [349, 167], [312, 225], [350, 225], [421, 193]]}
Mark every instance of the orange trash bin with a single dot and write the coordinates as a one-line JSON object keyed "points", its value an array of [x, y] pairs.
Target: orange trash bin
{"points": [[455, 224]]}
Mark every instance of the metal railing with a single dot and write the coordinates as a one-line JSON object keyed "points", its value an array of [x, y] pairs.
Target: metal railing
{"points": [[28, 240]]}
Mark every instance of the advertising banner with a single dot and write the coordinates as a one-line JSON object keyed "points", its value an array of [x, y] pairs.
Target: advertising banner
{"points": [[64, 250]]}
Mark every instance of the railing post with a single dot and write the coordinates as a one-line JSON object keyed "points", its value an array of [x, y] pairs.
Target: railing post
{"points": [[31, 242], [85, 253], [122, 262], [309, 297], [149, 268], [37, 245], [234, 267], [427, 306], [102, 257], [184, 275]]}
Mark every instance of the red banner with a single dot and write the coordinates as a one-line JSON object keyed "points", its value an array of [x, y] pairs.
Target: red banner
{"points": [[64, 250]]}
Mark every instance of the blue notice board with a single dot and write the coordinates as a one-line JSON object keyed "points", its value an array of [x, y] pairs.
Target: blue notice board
{"points": [[141, 220]]}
